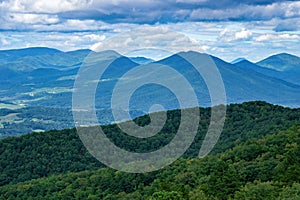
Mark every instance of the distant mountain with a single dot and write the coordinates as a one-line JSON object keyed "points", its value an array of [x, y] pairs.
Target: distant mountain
{"points": [[141, 60], [6, 74], [281, 62], [39, 57], [237, 60], [30, 79], [33, 51], [155, 54], [288, 76], [45, 79], [241, 84], [79, 52]]}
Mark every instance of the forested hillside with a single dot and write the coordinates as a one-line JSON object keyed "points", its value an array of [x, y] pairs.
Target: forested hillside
{"points": [[257, 154], [264, 168]]}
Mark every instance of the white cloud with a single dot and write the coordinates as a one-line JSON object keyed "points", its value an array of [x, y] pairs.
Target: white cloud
{"points": [[5, 42], [278, 37], [149, 37], [95, 37], [229, 35], [224, 32], [33, 18], [292, 9], [243, 34], [55, 6], [61, 41]]}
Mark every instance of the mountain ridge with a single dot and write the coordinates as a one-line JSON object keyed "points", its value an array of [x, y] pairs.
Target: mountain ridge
{"points": [[287, 76], [281, 62], [50, 86]]}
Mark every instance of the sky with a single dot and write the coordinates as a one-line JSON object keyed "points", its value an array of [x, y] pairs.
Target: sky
{"points": [[229, 29]]}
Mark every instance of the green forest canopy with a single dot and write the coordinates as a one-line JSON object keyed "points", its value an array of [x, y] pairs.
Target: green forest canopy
{"points": [[257, 156]]}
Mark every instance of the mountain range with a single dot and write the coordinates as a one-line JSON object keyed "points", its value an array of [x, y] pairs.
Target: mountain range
{"points": [[44, 77]]}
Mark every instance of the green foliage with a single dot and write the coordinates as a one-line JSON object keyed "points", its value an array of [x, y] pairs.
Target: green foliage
{"points": [[258, 191], [255, 162], [290, 193], [223, 180], [41, 154], [198, 195], [220, 176], [164, 195]]}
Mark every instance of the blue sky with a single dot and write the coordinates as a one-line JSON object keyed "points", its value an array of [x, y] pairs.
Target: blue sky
{"points": [[253, 29]]}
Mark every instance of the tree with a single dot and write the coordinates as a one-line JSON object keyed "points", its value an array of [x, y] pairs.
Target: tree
{"points": [[164, 195]]}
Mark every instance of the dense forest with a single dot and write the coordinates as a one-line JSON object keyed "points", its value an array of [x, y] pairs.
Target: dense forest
{"points": [[257, 157]]}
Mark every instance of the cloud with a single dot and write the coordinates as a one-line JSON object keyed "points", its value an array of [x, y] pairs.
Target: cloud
{"points": [[228, 35], [226, 28], [243, 34], [34, 6], [58, 40], [95, 37], [32, 18], [5, 42], [155, 11], [273, 37], [100, 15], [148, 37], [246, 12], [288, 25]]}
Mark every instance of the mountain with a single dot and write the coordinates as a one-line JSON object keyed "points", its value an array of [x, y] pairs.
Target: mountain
{"points": [[141, 60], [44, 78], [241, 84], [281, 62], [13, 54], [6, 74], [237, 60], [33, 58], [256, 156], [288, 76]]}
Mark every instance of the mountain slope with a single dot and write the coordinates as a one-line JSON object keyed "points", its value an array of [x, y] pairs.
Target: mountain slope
{"points": [[267, 168], [13, 54], [49, 77], [237, 60], [42, 154], [39, 57], [141, 60], [281, 62], [292, 77], [240, 84]]}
